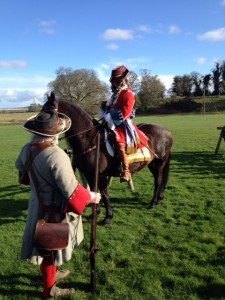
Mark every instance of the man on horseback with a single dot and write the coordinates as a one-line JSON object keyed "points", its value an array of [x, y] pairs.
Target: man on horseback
{"points": [[119, 114]]}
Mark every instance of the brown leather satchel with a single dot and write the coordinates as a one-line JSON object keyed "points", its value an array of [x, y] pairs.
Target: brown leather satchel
{"points": [[51, 236]]}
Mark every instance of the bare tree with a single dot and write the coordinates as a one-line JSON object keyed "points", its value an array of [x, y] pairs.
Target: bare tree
{"points": [[206, 84], [81, 87], [151, 89], [216, 78], [222, 69], [134, 82], [222, 81], [197, 84]]}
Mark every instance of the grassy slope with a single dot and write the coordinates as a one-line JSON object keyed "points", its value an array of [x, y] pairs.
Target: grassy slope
{"points": [[175, 251]]}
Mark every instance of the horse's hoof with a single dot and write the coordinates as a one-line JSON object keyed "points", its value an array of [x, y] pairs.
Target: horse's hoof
{"points": [[106, 221], [89, 218], [152, 205]]}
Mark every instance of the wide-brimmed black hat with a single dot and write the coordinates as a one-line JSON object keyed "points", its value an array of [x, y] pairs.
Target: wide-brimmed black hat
{"points": [[48, 123]]}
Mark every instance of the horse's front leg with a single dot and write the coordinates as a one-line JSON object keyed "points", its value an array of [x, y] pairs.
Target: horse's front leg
{"points": [[108, 208], [103, 187], [156, 199], [157, 170]]}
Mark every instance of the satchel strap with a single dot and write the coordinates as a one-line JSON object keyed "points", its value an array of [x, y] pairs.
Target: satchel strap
{"points": [[51, 210]]}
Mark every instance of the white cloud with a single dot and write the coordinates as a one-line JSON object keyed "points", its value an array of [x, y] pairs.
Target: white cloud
{"points": [[19, 82], [117, 34], [47, 26], [201, 60], [112, 46], [173, 29], [223, 2], [20, 91], [105, 66], [103, 74], [167, 80], [144, 28], [216, 35], [13, 64], [14, 98]]}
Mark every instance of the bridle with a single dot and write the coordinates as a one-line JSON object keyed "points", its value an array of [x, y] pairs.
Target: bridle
{"points": [[80, 133]]}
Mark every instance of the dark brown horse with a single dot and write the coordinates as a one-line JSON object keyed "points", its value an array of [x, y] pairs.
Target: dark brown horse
{"points": [[82, 139]]}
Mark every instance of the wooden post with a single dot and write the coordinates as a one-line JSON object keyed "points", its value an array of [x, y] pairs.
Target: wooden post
{"points": [[221, 136], [94, 222]]}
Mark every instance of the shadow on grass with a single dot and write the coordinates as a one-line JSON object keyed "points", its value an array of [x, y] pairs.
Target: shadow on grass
{"points": [[211, 291], [198, 163], [189, 164], [214, 290], [10, 206], [23, 284], [195, 165], [219, 258], [13, 190], [15, 285]]}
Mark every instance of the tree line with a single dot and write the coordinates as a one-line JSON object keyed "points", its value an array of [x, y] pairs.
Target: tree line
{"points": [[84, 87], [196, 84]]}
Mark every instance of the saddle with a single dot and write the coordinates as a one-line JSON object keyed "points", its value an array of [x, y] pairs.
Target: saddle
{"points": [[141, 155]]}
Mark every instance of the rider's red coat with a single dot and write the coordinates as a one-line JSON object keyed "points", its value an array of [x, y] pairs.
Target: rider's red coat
{"points": [[125, 103]]}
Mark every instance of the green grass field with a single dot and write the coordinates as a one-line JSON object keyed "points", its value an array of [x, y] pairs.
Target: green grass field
{"points": [[14, 118], [175, 251]]}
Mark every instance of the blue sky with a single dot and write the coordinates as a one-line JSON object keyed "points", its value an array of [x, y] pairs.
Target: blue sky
{"points": [[166, 37]]}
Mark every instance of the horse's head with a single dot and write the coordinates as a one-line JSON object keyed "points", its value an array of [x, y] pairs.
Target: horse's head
{"points": [[51, 104], [82, 122]]}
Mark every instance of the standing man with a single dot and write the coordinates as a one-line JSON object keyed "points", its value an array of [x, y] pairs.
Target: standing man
{"points": [[56, 184]]}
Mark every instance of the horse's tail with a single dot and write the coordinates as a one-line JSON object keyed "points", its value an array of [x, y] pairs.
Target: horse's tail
{"points": [[166, 171]]}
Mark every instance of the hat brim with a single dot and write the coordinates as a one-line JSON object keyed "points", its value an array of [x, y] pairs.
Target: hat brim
{"points": [[29, 125], [119, 78]]}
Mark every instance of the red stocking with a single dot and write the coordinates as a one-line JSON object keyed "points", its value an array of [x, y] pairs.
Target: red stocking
{"points": [[48, 271]]}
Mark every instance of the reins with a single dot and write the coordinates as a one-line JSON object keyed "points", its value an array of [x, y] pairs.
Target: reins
{"points": [[85, 151], [79, 133]]}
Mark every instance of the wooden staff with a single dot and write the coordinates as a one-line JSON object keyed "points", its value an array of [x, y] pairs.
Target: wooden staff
{"points": [[94, 222]]}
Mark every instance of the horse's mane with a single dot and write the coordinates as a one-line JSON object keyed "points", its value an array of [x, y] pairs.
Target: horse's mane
{"points": [[74, 111], [65, 105]]}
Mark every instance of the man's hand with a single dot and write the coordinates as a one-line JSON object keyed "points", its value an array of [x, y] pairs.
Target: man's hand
{"points": [[95, 197]]}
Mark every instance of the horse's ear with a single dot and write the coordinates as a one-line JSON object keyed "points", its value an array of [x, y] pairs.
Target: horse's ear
{"points": [[51, 97], [51, 104]]}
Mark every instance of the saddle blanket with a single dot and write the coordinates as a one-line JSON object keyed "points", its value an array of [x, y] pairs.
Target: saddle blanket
{"points": [[142, 154]]}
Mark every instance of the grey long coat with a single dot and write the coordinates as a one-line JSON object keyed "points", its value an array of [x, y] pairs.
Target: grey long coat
{"points": [[56, 180]]}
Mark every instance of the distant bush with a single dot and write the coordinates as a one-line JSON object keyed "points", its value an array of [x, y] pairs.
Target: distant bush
{"points": [[188, 105], [34, 107]]}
